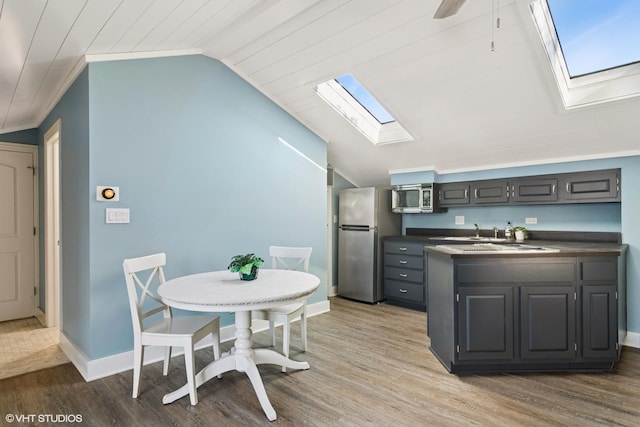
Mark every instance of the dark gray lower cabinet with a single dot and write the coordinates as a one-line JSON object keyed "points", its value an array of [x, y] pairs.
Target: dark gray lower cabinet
{"points": [[599, 321], [404, 273], [523, 314], [547, 322], [485, 326], [600, 302]]}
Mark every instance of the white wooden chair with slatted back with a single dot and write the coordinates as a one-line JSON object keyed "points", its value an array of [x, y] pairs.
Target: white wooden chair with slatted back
{"points": [[167, 331], [289, 258]]}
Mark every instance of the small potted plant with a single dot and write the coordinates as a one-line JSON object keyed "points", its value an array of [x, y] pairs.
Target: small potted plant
{"points": [[521, 233], [247, 265]]}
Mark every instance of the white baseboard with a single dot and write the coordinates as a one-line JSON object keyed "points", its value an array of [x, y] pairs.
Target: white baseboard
{"points": [[41, 316], [632, 340], [334, 291], [110, 365]]}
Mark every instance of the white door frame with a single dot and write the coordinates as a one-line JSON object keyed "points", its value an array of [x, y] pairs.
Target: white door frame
{"points": [[52, 269], [33, 150], [329, 241]]}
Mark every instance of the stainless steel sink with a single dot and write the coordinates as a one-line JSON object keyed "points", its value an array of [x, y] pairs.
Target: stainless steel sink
{"points": [[490, 247], [470, 239]]}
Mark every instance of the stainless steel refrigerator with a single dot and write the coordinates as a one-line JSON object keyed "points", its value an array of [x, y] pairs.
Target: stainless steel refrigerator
{"points": [[364, 217]]}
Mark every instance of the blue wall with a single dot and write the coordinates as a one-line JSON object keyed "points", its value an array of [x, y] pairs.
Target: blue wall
{"points": [[73, 108], [614, 217], [196, 153], [29, 136]]}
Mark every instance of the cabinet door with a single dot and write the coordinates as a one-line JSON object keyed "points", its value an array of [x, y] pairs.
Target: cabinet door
{"points": [[599, 321], [494, 191], [599, 304], [547, 322], [534, 190], [485, 323], [453, 194], [600, 186]]}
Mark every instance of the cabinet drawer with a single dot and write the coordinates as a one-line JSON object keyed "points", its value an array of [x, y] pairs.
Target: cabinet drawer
{"points": [[404, 290], [394, 260], [404, 274], [409, 248], [599, 269], [517, 270]]}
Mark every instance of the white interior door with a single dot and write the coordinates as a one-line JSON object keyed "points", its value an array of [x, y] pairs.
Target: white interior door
{"points": [[17, 240]]}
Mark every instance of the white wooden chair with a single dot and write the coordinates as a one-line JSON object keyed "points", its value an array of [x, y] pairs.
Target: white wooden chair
{"points": [[167, 331], [289, 258]]}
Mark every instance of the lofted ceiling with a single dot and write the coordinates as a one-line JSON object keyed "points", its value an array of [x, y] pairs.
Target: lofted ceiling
{"points": [[467, 107]]}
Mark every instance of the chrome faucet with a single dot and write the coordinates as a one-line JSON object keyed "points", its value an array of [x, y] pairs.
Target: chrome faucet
{"points": [[477, 230]]}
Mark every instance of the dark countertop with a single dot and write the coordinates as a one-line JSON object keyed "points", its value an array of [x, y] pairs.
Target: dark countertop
{"points": [[563, 244]]}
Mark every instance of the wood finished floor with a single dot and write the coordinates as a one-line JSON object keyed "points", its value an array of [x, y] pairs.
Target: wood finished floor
{"points": [[370, 366]]}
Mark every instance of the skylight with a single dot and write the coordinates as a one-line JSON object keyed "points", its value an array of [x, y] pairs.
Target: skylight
{"points": [[592, 47], [349, 98], [597, 35], [355, 89]]}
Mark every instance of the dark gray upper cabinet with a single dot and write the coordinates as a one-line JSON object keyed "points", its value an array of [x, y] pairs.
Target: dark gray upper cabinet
{"points": [[454, 194], [534, 190], [603, 186], [493, 191], [579, 187]]}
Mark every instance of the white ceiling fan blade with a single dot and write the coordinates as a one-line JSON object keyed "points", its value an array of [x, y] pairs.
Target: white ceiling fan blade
{"points": [[448, 8]]}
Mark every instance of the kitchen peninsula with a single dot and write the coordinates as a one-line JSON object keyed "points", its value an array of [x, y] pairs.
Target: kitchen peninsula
{"points": [[558, 307]]}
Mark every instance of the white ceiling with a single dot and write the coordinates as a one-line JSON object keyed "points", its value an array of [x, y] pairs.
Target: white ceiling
{"points": [[467, 107]]}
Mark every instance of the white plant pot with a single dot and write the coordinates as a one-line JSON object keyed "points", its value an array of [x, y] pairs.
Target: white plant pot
{"points": [[519, 235]]}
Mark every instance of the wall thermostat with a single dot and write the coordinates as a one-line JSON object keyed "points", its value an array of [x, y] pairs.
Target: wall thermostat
{"points": [[107, 193]]}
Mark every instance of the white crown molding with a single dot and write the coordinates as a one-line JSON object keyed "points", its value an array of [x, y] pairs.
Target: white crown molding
{"points": [[105, 57]]}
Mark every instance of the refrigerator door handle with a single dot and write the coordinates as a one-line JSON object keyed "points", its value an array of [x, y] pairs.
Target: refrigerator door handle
{"points": [[355, 227]]}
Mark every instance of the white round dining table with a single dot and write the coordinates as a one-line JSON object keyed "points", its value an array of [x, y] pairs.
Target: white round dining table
{"points": [[223, 291]]}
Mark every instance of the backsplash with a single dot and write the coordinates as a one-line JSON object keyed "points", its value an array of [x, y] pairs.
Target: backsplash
{"points": [[576, 217]]}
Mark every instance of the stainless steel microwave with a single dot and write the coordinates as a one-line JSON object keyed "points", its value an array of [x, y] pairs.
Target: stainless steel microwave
{"points": [[412, 198]]}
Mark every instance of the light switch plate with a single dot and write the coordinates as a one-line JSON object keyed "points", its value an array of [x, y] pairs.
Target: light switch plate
{"points": [[459, 220], [117, 215], [531, 220]]}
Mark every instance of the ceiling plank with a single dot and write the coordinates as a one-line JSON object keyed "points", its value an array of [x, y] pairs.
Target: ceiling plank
{"points": [[18, 24]]}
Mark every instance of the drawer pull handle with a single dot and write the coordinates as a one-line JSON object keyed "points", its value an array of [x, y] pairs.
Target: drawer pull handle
{"points": [[403, 275], [404, 291], [403, 261], [402, 249]]}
